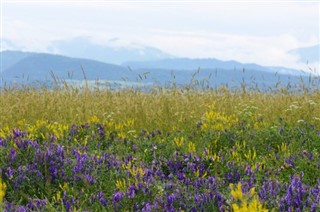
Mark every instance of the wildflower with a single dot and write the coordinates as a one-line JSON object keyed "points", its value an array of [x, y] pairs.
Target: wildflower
{"points": [[131, 191], [117, 197], [192, 147], [94, 119], [170, 199], [10, 173], [121, 184], [178, 141], [248, 201], [3, 188], [236, 193], [102, 199]]}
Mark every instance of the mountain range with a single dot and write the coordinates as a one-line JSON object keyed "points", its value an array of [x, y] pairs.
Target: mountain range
{"points": [[29, 67]]}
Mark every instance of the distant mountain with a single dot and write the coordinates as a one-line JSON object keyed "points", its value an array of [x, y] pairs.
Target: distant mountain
{"points": [[194, 64], [10, 58], [112, 52], [26, 66], [190, 64], [309, 54]]}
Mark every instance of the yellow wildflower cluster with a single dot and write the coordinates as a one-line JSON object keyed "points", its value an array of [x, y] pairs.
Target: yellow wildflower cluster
{"points": [[211, 151], [136, 173], [3, 188], [178, 141], [245, 202], [283, 149], [121, 185], [192, 147], [123, 129], [239, 152], [94, 120], [4, 132], [134, 170], [44, 129], [209, 155], [63, 188], [218, 121]]}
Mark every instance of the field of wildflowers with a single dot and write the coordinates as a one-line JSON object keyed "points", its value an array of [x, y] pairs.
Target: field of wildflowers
{"points": [[161, 150]]}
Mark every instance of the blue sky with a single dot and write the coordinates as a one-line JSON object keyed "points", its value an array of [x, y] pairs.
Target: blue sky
{"points": [[249, 31]]}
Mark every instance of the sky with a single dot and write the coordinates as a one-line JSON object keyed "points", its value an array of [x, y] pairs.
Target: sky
{"points": [[248, 31]]}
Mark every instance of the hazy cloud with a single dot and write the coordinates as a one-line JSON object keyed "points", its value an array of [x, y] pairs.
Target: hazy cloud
{"points": [[259, 32]]}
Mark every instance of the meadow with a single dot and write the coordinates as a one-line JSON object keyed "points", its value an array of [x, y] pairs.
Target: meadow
{"points": [[165, 149]]}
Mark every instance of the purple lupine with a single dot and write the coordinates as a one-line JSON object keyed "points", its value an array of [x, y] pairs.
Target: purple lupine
{"points": [[310, 156], [101, 132], [36, 204], [73, 130], [147, 207], [9, 207], [269, 191], [181, 176], [219, 200], [18, 133], [10, 172], [3, 142], [198, 199], [314, 207], [12, 154], [296, 195], [117, 197], [170, 199], [136, 207], [131, 192], [66, 202], [21, 209], [102, 199], [89, 178], [134, 148], [281, 129]]}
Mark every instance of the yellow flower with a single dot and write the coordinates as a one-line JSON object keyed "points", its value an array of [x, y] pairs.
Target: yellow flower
{"points": [[121, 184], [57, 198], [247, 201], [192, 147], [197, 173], [178, 141], [94, 119], [3, 188], [236, 193], [137, 171]]}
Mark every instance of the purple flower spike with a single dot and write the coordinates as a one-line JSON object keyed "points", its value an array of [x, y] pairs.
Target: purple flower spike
{"points": [[117, 197], [170, 199]]}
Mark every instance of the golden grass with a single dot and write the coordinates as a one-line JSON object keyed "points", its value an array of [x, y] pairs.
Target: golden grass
{"points": [[158, 109]]}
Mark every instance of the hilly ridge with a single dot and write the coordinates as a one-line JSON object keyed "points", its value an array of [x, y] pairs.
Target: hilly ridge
{"points": [[28, 67], [37, 67]]}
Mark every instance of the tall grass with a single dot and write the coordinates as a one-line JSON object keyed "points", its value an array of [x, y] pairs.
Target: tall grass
{"points": [[158, 108]]}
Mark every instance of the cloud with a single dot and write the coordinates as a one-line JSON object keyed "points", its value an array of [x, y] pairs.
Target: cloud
{"points": [[271, 50], [260, 32]]}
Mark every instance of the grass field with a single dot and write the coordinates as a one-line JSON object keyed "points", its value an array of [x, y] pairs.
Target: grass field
{"points": [[69, 149]]}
